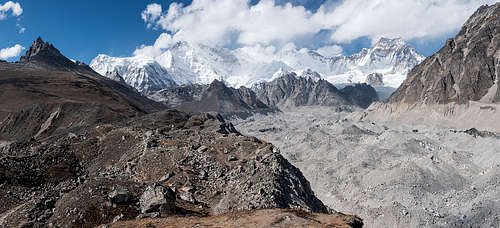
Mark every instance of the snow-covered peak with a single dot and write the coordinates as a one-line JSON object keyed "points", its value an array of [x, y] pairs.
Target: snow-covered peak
{"points": [[387, 43], [140, 72], [310, 74], [186, 63], [192, 63], [280, 73]]}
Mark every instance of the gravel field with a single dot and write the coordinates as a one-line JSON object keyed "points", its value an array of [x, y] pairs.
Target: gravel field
{"points": [[391, 175]]}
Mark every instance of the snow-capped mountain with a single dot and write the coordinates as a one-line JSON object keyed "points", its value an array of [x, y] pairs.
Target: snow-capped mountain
{"points": [[141, 72], [185, 63], [392, 58], [191, 63]]}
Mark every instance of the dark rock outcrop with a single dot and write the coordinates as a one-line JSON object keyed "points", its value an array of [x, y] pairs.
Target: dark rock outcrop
{"points": [[44, 55], [119, 195], [289, 90], [115, 76], [216, 97], [465, 69], [362, 95]]}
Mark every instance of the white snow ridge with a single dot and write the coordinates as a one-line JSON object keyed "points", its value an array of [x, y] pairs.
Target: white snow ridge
{"points": [[185, 63]]}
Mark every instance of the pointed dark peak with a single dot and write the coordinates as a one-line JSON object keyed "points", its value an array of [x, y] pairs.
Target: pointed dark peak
{"points": [[44, 55], [220, 85], [38, 40], [40, 50]]}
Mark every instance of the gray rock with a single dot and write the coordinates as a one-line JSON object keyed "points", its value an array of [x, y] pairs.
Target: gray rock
{"points": [[355, 130], [216, 97], [157, 198], [166, 177], [119, 195], [118, 218], [290, 90], [375, 79], [232, 158], [148, 215]]}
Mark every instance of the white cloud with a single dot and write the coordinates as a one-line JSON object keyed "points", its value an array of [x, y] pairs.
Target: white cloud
{"points": [[151, 13], [164, 41], [408, 19], [214, 22], [11, 52], [15, 7], [230, 22], [330, 50]]}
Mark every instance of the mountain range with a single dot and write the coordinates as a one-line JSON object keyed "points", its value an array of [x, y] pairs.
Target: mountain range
{"points": [[285, 91], [186, 63]]}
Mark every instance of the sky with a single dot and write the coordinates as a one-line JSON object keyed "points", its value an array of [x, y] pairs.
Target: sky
{"points": [[83, 29]]}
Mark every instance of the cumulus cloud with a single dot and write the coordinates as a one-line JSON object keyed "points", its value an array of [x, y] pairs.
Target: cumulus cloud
{"points": [[216, 22], [330, 50], [14, 7], [163, 42], [151, 13], [408, 19], [11, 52], [239, 24]]}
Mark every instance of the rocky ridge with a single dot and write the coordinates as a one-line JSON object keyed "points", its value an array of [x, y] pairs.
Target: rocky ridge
{"points": [[44, 55], [465, 69], [287, 90], [457, 86], [215, 97]]}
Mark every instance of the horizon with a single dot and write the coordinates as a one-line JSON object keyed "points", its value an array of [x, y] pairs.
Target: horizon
{"points": [[142, 27]]}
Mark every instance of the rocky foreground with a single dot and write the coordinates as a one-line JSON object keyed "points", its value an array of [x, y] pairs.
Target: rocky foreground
{"points": [[160, 164]]}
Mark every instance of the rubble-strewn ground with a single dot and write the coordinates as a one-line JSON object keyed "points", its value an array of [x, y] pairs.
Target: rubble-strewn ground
{"points": [[390, 175], [69, 179], [255, 218]]}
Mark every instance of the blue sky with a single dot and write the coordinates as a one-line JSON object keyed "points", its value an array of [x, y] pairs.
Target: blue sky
{"points": [[80, 29], [83, 29]]}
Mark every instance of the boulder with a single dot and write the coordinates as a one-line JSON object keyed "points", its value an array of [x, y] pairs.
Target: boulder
{"points": [[119, 195], [157, 198]]}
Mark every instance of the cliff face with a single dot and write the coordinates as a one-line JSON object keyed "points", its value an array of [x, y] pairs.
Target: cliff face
{"points": [[288, 91], [215, 97], [465, 69]]}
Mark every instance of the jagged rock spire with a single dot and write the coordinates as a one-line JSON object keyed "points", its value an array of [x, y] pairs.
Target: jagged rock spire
{"points": [[40, 48]]}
